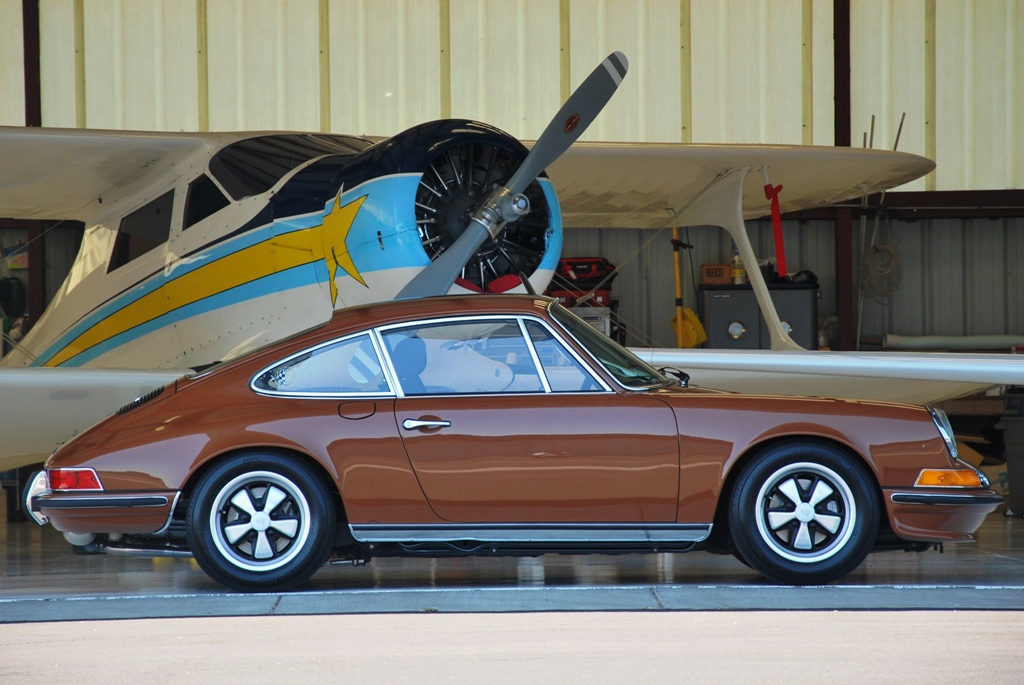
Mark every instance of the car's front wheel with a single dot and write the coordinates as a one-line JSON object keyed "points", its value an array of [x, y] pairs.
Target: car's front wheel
{"points": [[260, 521], [804, 513]]}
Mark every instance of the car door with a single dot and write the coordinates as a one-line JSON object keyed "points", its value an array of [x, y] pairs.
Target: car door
{"points": [[503, 424]]}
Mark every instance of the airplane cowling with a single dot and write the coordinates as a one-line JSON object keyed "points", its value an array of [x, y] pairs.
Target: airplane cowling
{"points": [[453, 165]]}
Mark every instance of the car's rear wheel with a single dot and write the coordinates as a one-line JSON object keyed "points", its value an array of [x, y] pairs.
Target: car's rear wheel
{"points": [[260, 521], [804, 513]]}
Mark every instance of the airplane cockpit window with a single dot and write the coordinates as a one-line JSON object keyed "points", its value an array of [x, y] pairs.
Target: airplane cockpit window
{"points": [[204, 199], [253, 166], [144, 229]]}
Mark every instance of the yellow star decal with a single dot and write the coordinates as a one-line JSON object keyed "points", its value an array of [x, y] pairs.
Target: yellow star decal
{"points": [[334, 233]]}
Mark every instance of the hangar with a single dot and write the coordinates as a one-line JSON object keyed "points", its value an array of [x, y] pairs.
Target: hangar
{"points": [[936, 261]]}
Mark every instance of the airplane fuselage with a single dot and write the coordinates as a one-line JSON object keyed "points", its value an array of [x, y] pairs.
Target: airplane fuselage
{"points": [[239, 246]]}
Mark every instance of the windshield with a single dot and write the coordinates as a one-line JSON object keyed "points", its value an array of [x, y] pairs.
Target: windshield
{"points": [[252, 166], [628, 370]]}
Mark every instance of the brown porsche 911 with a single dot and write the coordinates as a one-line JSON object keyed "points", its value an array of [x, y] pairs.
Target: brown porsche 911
{"points": [[497, 425]]}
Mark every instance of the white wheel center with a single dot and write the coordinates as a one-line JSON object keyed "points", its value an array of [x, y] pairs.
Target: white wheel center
{"points": [[805, 513], [260, 521]]}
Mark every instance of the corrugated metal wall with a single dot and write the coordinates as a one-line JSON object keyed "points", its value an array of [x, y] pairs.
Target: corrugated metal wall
{"points": [[12, 73], [954, 68], [968, 274], [701, 71]]}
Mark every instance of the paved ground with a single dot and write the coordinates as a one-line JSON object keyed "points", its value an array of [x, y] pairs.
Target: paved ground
{"points": [[959, 617], [600, 647]]}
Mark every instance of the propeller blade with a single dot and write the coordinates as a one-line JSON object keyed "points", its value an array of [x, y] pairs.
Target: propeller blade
{"points": [[507, 203], [569, 123]]}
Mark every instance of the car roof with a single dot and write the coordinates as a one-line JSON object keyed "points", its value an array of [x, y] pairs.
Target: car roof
{"points": [[383, 313]]}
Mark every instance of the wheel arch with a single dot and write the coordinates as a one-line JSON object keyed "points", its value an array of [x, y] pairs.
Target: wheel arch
{"points": [[318, 468], [722, 536]]}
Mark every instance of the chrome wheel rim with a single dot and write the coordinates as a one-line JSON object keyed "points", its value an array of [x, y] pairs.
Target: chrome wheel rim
{"points": [[260, 521], [805, 512]]}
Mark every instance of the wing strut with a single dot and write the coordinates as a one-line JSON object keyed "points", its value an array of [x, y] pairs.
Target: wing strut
{"points": [[721, 204]]}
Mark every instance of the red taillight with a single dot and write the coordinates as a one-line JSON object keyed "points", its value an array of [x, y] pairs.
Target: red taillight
{"points": [[73, 479]]}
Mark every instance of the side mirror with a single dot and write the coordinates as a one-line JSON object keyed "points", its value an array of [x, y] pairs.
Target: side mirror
{"points": [[681, 376]]}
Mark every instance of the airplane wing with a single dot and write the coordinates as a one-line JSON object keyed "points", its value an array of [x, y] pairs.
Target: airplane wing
{"points": [[916, 378], [650, 185], [40, 408], [613, 185], [61, 172]]}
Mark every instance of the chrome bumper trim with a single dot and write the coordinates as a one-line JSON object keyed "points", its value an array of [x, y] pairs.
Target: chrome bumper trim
{"points": [[98, 501], [946, 499], [37, 484]]}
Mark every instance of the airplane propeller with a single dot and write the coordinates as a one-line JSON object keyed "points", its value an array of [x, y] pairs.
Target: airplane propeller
{"points": [[508, 203]]}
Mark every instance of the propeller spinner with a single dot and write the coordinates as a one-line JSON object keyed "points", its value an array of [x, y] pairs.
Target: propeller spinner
{"points": [[508, 203]]}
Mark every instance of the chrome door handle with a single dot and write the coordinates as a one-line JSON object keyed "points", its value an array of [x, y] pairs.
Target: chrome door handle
{"points": [[416, 424]]}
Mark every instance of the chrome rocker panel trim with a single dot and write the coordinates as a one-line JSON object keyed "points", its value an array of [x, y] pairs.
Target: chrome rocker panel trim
{"points": [[530, 533]]}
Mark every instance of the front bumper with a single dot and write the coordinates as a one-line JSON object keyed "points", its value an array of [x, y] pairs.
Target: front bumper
{"points": [[98, 511], [929, 515]]}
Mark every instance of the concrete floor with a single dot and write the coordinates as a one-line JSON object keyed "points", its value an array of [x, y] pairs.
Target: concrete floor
{"points": [[41, 579], [899, 618]]}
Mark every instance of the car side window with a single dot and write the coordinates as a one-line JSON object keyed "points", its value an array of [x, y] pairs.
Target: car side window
{"points": [[563, 371], [463, 357], [347, 367]]}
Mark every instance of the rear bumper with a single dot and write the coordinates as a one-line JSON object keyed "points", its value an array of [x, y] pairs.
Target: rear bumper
{"points": [[939, 516], [98, 512]]}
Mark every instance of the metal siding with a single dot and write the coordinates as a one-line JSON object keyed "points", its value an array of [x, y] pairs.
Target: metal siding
{"points": [[57, 63], [944, 278], [747, 71], [984, 279], [823, 90], [12, 65], [959, 278], [105, 101], [179, 33], [1013, 267], [979, 94], [140, 65], [887, 74], [504, 64], [647, 105], [385, 65], [263, 60]]}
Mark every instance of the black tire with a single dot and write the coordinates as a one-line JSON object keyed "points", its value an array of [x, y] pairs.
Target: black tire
{"points": [[260, 521], [804, 513]]}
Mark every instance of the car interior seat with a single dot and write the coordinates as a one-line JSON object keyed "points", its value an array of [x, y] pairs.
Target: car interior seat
{"points": [[410, 358]]}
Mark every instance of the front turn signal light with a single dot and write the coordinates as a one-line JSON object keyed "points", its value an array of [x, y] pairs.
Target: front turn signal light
{"points": [[73, 479], [948, 478]]}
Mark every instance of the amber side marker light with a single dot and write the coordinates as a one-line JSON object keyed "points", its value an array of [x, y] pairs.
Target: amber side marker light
{"points": [[948, 478], [73, 479]]}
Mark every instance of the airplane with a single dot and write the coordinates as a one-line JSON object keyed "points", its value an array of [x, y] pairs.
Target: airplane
{"points": [[199, 247]]}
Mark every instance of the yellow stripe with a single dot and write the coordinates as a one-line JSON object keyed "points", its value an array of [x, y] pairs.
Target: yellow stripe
{"points": [[274, 255]]}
